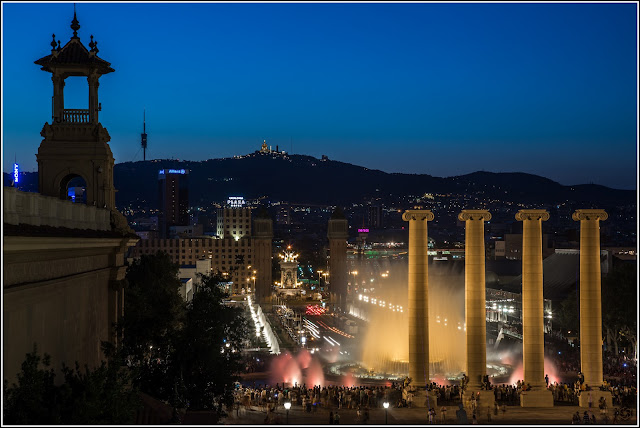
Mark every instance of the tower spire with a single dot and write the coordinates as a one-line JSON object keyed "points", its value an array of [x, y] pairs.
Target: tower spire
{"points": [[143, 136], [75, 25]]}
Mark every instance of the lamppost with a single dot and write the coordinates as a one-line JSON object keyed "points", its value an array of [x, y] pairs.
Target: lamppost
{"points": [[386, 411], [319, 283], [287, 405]]}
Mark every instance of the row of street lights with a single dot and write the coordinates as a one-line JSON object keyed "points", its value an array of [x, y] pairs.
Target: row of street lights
{"points": [[287, 406]]}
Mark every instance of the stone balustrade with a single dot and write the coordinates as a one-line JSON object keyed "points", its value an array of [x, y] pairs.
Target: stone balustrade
{"points": [[38, 210], [75, 115]]}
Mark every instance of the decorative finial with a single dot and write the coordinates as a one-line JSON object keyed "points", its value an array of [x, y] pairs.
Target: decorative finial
{"points": [[75, 25], [59, 45], [91, 44], [95, 47], [53, 42]]}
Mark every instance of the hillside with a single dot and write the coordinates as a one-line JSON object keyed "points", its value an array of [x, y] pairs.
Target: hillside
{"points": [[305, 179]]}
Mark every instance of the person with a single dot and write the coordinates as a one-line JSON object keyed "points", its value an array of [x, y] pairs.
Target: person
{"points": [[575, 420], [488, 414], [443, 411], [431, 414], [330, 418], [461, 415], [495, 408], [590, 399], [474, 419], [586, 418], [358, 414], [504, 409], [336, 418], [593, 419], [366, 415], [546, 379]]}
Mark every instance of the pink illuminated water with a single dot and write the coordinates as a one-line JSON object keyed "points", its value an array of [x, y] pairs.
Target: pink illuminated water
{"points": [[304, 368]]}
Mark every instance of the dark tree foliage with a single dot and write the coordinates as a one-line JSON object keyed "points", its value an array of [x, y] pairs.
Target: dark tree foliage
{"points": [[619, 298], [178, 351], [34, 399], [566, 316], [154, 314], [209, 354], [100, 396]]}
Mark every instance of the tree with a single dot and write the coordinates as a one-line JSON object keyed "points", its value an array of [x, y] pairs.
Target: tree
{"points": [[566, 316], [154, 313], [103, 395], [619, 297], [209, 354], [34, 399], [185, 354]]}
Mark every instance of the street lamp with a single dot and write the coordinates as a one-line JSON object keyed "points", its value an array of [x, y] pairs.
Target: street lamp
{"points": [[287, 405], [319, 284], [386, 411]]}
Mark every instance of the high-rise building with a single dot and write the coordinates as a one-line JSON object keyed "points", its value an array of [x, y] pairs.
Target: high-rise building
{"points": [[173, 197], [375, 217], [234, 221]]}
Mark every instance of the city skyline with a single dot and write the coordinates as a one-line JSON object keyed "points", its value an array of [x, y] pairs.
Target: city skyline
{"points": [[548, 89]]}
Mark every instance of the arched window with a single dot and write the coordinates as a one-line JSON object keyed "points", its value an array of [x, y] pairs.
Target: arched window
{"points": [[74, 188]]}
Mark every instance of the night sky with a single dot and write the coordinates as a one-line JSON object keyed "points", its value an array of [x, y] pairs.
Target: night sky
{"points": [[441, 89]]}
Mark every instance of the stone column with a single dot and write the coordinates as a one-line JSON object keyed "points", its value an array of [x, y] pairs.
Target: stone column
{"points": [[418, 303], [93, 82], [591, 303], [475, 304], [338, 233], [533, 310], [262, 254]]}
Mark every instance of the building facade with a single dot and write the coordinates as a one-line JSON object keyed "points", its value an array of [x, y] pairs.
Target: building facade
{"points": [[173, 197]]}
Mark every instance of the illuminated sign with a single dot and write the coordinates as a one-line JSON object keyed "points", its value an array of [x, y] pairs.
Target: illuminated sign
{"points": [[16, 173], [173, 171], [363, 230], [235, 201]]}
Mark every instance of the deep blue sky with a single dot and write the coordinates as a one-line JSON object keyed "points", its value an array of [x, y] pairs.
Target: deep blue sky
{"points": [[442, 89]]}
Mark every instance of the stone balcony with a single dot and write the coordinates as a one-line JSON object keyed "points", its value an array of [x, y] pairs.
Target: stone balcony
{"points": [[37, 210]]}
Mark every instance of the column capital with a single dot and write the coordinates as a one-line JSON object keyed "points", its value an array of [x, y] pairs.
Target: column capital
{"points": [[590, 215], [532, 215], [417, 215], [474, 215]]}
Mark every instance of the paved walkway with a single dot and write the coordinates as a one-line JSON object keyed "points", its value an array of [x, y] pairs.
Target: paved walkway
{"points": [[515, 415]]}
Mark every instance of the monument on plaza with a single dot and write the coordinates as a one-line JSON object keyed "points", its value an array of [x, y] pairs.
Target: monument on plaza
{"points": [[288, 269], [475, 306], [536, 393], [418, 305], [591, 305]]}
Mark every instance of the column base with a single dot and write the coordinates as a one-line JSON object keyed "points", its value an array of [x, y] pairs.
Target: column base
{"points": [[486, 398], [583, 399], [536, 398], [420, 397]]}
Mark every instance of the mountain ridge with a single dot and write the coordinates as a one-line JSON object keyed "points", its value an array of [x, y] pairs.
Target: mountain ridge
{"points": [[306, 179]]}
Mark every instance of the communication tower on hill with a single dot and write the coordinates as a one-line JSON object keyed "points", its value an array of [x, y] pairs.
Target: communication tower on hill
{"points": [[143, 136]]}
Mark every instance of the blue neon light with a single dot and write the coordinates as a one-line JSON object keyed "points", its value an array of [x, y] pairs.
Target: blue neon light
{"points": [[16, 173]]}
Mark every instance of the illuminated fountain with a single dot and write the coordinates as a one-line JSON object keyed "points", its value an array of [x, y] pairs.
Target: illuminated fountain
{"points": [[385, 348]]}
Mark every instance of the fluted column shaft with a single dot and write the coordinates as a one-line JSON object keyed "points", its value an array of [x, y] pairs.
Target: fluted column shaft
{"points": [[418, 303], [532, 297], [590, 295], [475, 294]]}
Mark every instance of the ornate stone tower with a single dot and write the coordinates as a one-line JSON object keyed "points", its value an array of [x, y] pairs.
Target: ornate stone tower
{"points": [[338, 232], [262, 254], [75, 143]]}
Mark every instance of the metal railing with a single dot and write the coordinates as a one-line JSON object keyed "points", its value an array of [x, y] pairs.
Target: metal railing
{"points": [[75, 115]]}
